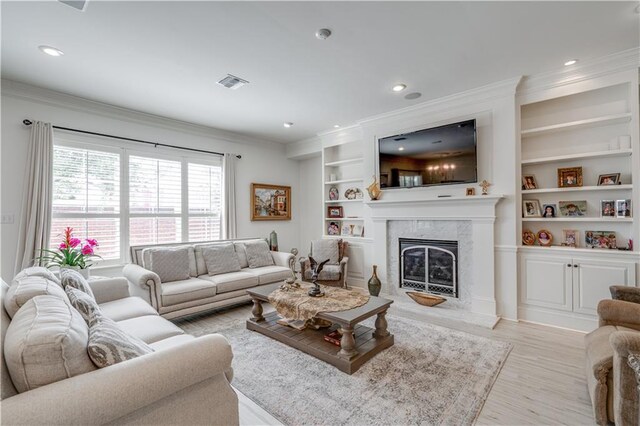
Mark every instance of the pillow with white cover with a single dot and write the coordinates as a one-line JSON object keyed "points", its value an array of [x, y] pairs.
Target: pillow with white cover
{"points": [[146, 257], [109, 344], [242, 255], [25, 287], [37, 271], [72, 278], [46, 342], [322, 250], [221, 259], [170, 264], [258, 254]]}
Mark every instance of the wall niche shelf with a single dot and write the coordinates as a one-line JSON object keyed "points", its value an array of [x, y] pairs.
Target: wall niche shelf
{"points": [[335, 182], [578, 189], [345, 219], [579, 124], [358, 200], [344, 162], [578, 219], [586, 155]]}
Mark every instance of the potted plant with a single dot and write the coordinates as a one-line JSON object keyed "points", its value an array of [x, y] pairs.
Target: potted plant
{"points": [[71, 253]]}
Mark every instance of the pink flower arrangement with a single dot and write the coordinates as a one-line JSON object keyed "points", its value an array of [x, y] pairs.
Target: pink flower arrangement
{"points": [[72, 252]]}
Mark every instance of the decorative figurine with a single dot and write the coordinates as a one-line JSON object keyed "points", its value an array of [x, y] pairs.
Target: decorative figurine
{"points": [[316, 268], [374, 190], [485, 187]]}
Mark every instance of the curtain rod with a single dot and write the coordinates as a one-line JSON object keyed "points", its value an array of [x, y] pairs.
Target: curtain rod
{"points": [[28, 122]]}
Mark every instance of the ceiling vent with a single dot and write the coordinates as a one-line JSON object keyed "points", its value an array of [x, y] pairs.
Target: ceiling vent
{"points": [[232, 82], [76, 4]]}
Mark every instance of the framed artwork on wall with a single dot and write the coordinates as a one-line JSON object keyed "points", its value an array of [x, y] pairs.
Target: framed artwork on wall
{"points": [[270, 202]]}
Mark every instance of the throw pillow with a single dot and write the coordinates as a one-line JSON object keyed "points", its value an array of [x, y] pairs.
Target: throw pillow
{"points": [[326, 249], [46, 342], [38, 271], [242, 255], [82, 302], [221, 259], [258, 254], [146, 258], [72, 278], [25, 288], [634, 363], [109, 344], [170, 264]]}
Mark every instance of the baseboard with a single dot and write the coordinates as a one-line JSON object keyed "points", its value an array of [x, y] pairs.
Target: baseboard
{"points": [[568, 321]]}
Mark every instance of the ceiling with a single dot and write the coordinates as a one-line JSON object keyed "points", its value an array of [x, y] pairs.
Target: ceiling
{"points": [[164, 58]]}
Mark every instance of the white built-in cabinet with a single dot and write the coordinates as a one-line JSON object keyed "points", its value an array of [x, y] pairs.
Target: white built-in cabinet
{"points": [[591, 124]]}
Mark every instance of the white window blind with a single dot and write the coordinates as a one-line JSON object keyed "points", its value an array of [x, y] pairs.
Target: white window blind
{"points": [[205, 201], [155, 200], [86, 197]]}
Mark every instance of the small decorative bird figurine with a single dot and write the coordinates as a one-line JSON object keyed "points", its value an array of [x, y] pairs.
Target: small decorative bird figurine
{"points": [[485, 187], [316, 268]]}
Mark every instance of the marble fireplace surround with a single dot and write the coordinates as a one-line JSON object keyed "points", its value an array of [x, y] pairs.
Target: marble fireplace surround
{"points": [[468, 220]]}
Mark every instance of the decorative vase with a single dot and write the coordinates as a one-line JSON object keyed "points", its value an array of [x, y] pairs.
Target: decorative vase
{"points": [[84, 272], [273, 241], [374, 283]]}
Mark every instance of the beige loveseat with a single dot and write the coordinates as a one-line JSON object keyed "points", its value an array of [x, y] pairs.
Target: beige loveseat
{"points": [[201, 291], [184, 381]]}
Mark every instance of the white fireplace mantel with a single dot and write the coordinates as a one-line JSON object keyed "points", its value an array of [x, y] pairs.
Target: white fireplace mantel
{"points": [[479, 210]]}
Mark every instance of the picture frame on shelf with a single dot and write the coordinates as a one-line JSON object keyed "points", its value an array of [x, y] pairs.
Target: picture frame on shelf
{"points": [[270, 202], [607, 208], [357, 231], [334, 194], [545, 238], [600, 239], [569, 177], [570, 237], [346, 230], [623, 208], [335, 212], [531, 208], [609, 179], [353, 194], [549, 210], [528, 238], [333, 228], [471, 191], [572, 208], [529, 182]]}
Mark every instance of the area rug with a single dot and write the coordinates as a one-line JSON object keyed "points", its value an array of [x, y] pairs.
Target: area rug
{"points": [[431, 376]]}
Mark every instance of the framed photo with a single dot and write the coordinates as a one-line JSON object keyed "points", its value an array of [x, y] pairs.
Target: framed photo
{"points": [[569, 177], [549, 210], [610, 179], [270, 202], [334, 194], [531, 208], [471, 191], [333, 228], [545, 238], [528, 238], [623, 208], [572, 208], [357, 231], [529, 182], [600, 239], [570, 237], [607, 208], [334, 212], [346, 230]]}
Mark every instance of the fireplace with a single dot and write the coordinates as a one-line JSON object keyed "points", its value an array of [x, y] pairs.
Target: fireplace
{"points": [[429, 265]]}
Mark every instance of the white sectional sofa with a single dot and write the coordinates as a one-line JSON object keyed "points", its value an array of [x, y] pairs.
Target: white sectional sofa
{"points": [[201, 291], [185, 380]]}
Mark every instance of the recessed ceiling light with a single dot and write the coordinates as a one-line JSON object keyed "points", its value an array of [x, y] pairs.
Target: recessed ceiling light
{"points": [[570, 62], [288, 124], [51, 51], [335, 126], [401, 148], [399, 87]]}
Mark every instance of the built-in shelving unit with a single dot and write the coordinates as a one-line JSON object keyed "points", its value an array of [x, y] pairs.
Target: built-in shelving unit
{"points": [[579, 189], [578, 124], [579, 156], [579, 219], [335, 182], [357, 160]]}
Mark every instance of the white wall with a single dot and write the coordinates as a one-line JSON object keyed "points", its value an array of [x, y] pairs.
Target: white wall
{"points": [[262, 161], [311, 205]]}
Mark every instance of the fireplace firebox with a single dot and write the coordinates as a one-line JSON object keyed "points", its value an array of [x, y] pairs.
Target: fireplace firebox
{"points": [[429, 265]]}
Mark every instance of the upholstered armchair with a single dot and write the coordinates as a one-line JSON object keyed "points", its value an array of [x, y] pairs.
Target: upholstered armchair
{"points": [[334, 272], [610, 379]]}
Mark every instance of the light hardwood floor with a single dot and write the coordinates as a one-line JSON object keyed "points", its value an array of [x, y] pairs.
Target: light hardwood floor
{"points": [[542, 382]]}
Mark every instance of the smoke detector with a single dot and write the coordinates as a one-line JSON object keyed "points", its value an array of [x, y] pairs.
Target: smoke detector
{"points": [[323, 33], [232, 82]]}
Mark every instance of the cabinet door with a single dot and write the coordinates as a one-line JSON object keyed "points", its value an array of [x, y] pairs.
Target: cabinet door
{"points": [[355, 267], [592, 278], [546, 281]]}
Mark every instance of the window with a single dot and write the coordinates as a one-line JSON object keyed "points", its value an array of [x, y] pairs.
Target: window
{"points": [[86, 197], [156, 200]]}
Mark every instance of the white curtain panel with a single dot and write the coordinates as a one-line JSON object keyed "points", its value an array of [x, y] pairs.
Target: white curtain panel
{"points": [[230, 227], [35, 216]]}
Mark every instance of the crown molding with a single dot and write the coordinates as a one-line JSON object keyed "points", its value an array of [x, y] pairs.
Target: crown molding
{"points": [[584, 70], [23, 91]]}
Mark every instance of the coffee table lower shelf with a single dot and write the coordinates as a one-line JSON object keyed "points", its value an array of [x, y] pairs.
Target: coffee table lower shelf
{"points": [[312, 342]]}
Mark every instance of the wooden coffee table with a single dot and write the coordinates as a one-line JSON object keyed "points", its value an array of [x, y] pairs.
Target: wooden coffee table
{"points": [[358, 345]]}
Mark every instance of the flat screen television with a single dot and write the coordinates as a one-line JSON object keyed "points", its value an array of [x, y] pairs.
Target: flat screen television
{"points": [[443, 155]]}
